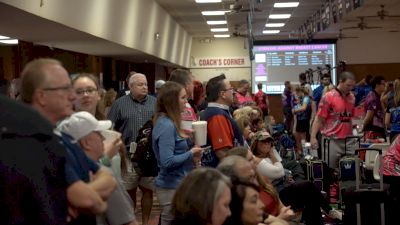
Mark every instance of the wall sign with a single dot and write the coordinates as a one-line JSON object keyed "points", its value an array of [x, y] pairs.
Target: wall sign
{"points": [[213, 62]]}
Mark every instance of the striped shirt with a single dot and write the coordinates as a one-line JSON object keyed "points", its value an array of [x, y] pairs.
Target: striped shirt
{"points": [[129, 115]]}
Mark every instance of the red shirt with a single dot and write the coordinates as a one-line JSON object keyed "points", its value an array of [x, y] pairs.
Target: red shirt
{"points": [[220, 132], [337, 111], [260, 98], [271, 203]]}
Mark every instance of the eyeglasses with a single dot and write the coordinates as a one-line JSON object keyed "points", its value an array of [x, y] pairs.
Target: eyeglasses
{"points": [[89, 91], [67, 88], [228, 89]]}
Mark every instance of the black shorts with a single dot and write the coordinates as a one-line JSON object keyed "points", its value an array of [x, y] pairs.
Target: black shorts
{"points": [[303, 126]]}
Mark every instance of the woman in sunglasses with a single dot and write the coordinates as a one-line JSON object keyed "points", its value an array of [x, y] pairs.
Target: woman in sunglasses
{"points": [[300, 195], [269, 160]]}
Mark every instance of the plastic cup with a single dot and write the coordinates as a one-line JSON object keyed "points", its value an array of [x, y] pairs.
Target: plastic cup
{"points": [[200, 132]]}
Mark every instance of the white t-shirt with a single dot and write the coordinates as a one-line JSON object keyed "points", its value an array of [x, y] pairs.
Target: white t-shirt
{"points": [[271, 170]]}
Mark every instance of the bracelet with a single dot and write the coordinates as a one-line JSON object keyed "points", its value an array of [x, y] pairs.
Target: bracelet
{"points": [[105, 161]]}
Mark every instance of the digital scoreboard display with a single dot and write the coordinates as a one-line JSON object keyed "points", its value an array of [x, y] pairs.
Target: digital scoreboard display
{"points": [[275, 64]]}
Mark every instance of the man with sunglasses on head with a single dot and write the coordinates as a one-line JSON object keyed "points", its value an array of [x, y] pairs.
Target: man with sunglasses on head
{"points": [[222, 131]]}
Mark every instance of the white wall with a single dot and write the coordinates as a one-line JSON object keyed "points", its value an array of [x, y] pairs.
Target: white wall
{"points": [[131, 23], [371, 48], [376, 47], [229, 47]]}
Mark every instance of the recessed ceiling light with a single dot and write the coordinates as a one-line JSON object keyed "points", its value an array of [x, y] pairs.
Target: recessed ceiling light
{"points": [[4, 37], [221, 35], [286, 4], [279, 16], [219, 29], [216, 22], [10, 42], [274, 25], [213, 13], [208, 1], [271, 31]]}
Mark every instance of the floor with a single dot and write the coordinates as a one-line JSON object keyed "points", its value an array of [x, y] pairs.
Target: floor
{"points": [[155, 211]]}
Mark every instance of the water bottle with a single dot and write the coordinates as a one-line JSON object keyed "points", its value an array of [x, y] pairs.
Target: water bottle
{"points": [[307, 148], [303, 145]]}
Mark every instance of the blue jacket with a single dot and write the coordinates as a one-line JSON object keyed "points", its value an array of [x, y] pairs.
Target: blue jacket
{"points": [[172, 153]]}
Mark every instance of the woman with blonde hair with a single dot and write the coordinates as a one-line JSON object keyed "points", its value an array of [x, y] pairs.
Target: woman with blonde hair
{"points": [[170, 144], [244, 111], [243, 123]]}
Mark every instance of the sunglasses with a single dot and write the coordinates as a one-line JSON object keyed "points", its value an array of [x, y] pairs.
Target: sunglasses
{"points": [[269, 141]]}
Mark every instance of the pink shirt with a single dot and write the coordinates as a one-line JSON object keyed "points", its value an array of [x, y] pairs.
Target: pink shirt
{"points": [[391, 159], [337, 111], [188, 116], [244, 99]]}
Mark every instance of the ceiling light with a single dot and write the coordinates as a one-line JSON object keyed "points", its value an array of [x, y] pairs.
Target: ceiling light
{"points": [[219, 29], [216, 22], [213, 13], [208, 1], [271, 31], [221, 35], [4, 37], [279, 16], [286, 4], [10, 41], [274, 25]]}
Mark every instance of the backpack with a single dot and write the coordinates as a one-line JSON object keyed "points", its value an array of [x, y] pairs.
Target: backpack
{"points": [[144, 160]]}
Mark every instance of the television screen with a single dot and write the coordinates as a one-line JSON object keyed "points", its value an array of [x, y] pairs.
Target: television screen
{"points": [[275, 64]]}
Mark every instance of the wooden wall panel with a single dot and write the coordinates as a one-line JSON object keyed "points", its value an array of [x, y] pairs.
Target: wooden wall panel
{"points": [[7, 67], [14, 58], [275, 107], [388, 70]]}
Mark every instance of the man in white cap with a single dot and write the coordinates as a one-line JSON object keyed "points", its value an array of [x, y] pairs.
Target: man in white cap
{"points": [[90, 133]]}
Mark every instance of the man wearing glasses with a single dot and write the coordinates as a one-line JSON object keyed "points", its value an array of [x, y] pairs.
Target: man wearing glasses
{"points": [[46, 86], [222, 131]]}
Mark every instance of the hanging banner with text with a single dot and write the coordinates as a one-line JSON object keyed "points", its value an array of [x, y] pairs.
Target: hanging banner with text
{"points": [[217, 62]]}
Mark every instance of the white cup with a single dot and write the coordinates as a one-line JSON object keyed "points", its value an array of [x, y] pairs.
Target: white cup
{"points": [[200, 132], [110, 135]]}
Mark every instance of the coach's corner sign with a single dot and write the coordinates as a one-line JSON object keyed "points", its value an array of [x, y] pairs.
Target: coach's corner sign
{"points": [[213, 62]]}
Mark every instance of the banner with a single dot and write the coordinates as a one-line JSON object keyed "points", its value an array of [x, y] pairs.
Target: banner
{"points": [[218, 62]]}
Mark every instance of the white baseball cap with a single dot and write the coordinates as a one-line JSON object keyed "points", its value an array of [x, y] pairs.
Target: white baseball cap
{"points": [[159, 83], [80, 124]]}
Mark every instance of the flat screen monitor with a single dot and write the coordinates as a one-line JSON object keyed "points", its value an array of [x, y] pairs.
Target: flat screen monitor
{"points": [[275, 64]]}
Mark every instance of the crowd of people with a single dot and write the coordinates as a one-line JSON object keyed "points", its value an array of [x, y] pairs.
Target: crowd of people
{"points": [[72, 146]]}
